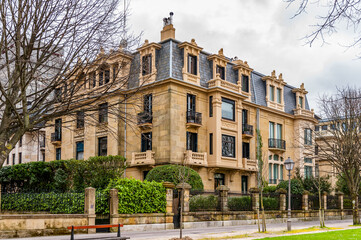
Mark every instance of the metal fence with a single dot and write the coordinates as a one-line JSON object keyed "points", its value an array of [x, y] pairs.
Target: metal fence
{"points": [[313, 202], [347, 202], [296, 202], [332, 202]]}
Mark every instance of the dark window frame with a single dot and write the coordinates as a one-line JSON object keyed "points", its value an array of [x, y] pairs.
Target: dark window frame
{"points": [[307, 136], [245, 83], [192, 141], [148, 103], [211, 144], [102, 151], [147, 64], [146, 141], [80, 119], [219, 178], [77, 150], [191, 103], [20, 157], [14, 157], [57, 153], [192, 64], [246, 150], [222, 72], [103, 113], [210, 106], [233, 103], [228, 146]]}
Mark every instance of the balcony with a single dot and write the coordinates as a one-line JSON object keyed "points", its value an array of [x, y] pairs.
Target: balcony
{"points": [[249, 164], [142, 158], [145, 120], [56, 138], [194, 119], [276, 144], [195, 158], [247, 130]]}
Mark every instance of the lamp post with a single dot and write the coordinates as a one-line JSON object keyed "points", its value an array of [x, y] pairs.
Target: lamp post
{"points": [[289, 166]]}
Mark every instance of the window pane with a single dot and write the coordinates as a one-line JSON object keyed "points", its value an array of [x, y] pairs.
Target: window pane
{"points": [[245, 83], [228, 146], [281, 172], [271, 93], [278, 95], [210, 106], [270, 172], [271, 130], [103, 146], [279, 131], [300, 101], [228, 109]]}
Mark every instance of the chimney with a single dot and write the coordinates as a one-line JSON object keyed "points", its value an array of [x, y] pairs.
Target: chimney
{"points": [[168, 29]]}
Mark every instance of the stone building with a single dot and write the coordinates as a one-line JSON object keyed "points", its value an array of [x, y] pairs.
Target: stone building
{"points": [[190, 107]]}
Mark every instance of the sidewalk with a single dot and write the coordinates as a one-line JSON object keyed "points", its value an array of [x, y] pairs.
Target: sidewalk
{"points": [[217, 232]]}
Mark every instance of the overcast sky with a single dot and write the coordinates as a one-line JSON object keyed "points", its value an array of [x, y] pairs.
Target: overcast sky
{"points": [[260, 32]]}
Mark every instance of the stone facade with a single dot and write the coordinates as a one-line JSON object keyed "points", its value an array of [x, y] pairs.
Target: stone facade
{"points": [[205, 109]]}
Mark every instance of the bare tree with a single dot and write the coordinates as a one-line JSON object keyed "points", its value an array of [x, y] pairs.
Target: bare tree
{"points": [[334, 16], [340, 145], [261, 178], [48, 50]]}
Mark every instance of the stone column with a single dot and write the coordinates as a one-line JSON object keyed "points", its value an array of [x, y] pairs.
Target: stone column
{"points": [[324, 200], [223, 197], [282, 202], [169, 196], [255, 198], [340, 200], [185, 187], [89, 207], [305, 201]]}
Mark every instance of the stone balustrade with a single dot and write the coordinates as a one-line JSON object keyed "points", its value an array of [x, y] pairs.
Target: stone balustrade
{"points": [[142, 158], [195, 158]]}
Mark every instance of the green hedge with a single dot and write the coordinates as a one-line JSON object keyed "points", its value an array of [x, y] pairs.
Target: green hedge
{"points": [[347, 203], [240, 204], [271, 203], [170, 173], [62, 175], [66, 203], [136, 196], [296, 186], [203, 203]]}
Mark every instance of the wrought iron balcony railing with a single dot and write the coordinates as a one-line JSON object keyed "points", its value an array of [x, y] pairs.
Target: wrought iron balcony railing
{"points": [[247, 129], [194, 117], [145, 117], [277, 143], [56, 137]]}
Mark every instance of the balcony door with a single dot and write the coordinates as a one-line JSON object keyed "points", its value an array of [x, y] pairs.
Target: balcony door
{"points": [[279, 131], [191, 103], [58, 129], [244, 116]]}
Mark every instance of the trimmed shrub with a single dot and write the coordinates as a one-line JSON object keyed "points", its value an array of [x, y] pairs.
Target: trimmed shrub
{"points": [[170, 173], [296, 186], [271, 203], [269, 189], [203, 203], [136, 196], [347, 203], [62, 175], [240, 203]]}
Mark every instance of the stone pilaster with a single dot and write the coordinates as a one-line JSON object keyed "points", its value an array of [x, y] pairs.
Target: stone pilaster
{"points": [[184, 187], [305, 201], [223, 197], [340, 200], [255, 198], [282, 202], [324, 200], [89, 207], [169, 196]]}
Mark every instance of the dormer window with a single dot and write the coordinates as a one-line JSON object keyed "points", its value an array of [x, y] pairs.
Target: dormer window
{"points": [[93, 80], [104, 77], [221, 71], [147, 64], [192, 64], [279, 92], [245, 83], [300, 101], [271, 93]]}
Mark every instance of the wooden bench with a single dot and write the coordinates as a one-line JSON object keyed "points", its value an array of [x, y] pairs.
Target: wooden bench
{"points": [[118, 237]]}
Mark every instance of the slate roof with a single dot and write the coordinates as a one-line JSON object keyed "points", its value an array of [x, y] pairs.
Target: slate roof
{"points": [[169, 62]]}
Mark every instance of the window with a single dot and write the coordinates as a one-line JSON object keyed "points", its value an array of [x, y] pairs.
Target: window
{"points": [[147, 103], [79, 119], [192, 64], [279, 131], [245, 150], [228, 146], [272, 93], [7, 160], [317, 128], [58, 129], [270, 172], [79, 150], [102, 146], [211, 143], [271, 130], [192, 141], [308, 160], [101, 78], [13, 158], [279, 97], [218, 180], [20, 158], [245, 83], [228, 110], [103, 113], [316, 150], [43, 156], [332, 126], [145, 173], [324, 127], [281, 172], [106, 76], [146, 143], [115, 72], [317, 170], [93, 79], [308, 136], [21, 141], [146, 64], [58, 153], [244, 116], [210, 106], [308, 171], [300, 101], [221, 72], [275, 157], [244, 180], [191, 103], [275, 173], [57, 94]]}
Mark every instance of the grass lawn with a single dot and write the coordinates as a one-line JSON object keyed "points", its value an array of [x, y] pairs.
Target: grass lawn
{"points": [[332, 235]]}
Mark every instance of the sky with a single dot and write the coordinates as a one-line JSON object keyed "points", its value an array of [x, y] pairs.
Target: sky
{"points": [[261, 32]]}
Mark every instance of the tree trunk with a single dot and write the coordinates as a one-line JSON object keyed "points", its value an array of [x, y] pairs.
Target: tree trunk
{"points": [[356, 219], [263, 216]]}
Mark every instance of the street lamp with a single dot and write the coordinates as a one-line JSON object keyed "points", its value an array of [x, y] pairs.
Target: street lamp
{"points": [[289, 166]]}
